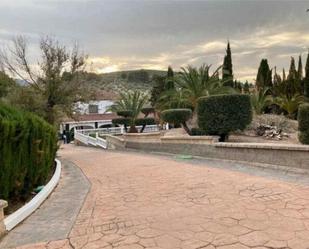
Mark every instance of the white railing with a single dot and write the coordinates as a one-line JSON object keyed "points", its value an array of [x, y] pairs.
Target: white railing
{"points": [[93, 136], [89, 140]]}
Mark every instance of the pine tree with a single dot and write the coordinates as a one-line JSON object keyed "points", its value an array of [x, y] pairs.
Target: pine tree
{"points": [[169, 84], [264, 76], [227, 68]]}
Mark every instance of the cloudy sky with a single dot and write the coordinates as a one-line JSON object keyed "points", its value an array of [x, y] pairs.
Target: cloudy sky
{"points": [[152, 34]]}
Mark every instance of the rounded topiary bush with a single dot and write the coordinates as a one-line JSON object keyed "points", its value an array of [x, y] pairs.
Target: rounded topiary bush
{"points": [[177, 117], [121, 121], [147, 110], [303, 123], [145, 121], [125, 113], [221, 114]]}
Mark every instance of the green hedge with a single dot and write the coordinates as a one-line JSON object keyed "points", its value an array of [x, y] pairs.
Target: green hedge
{"points": [[303, 123], [147, 110], [126, 113], [28, 146], [145, 121], [221, 114], [176, 116], [121, 121]]}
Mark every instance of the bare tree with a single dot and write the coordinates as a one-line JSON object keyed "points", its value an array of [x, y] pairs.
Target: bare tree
{"points": [[56, 77]]}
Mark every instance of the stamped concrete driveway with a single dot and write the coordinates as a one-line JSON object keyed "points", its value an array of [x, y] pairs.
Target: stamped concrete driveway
{"points": [[143, 201]]}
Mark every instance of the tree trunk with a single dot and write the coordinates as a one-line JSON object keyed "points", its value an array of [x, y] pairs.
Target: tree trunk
{"points": [[186, 128], [143, 128]]}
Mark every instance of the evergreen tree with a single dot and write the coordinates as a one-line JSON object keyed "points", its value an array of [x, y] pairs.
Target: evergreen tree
{"points": [[157, 89], [227, 68], [277, 79], [169, 84], [246, 87], [264, 76], [292, 71], [283, 75], [306, 79], [293, 84], [300, 69]]}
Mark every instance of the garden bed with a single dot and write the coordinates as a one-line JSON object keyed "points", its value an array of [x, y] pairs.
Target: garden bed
{"points": [[28, 208], [16, 203]]}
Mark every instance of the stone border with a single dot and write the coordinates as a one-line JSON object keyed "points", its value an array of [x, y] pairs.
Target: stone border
{"points": [[294, 156], [22, 213]]}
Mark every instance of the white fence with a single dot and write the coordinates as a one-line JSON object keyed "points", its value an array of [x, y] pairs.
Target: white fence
{"points": [[89, 140], [92, 136]]}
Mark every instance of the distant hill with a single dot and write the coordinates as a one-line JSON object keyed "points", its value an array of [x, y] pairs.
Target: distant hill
{"points": [[108, 85]]}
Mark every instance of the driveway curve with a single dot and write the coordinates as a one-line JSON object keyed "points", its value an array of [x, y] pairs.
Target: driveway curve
{"points": [[141, 201]]}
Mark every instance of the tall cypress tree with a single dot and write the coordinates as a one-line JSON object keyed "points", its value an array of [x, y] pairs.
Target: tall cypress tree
{"points": [[283, 75], [227, 68], [292, 84], [169, 84], [264, 76], [292, 71], [306, 79], [300, 69]]}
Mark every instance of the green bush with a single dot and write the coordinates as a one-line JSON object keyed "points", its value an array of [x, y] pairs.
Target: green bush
{"points": [[28, 146], [121, 121], [145, 121], [147, 110], [221, 114], [126, 114], [176, 116], [303, 123]]}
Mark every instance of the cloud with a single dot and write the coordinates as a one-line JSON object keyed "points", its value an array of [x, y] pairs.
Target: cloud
{"points": [[154, 34]]}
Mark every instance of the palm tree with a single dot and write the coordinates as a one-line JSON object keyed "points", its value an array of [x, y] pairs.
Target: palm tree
{"points": [[193, 83], [261, 100], [289, 104], [131, 102]]}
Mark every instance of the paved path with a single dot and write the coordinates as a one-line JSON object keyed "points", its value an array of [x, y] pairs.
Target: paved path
{"points": [[55, 218], [143, 201]]}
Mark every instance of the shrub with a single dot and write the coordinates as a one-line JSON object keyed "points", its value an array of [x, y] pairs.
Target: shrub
{"points": [[177, 117], [145, 121], [147, 110], [303, 123], [221, 114], [28, 146], [126, 113], [121, 121]]}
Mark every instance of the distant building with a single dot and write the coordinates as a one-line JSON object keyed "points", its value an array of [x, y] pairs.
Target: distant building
{"points": [[90, 115], [95, 106]]}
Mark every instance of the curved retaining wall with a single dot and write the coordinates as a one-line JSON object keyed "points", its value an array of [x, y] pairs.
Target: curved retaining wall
{"points": [[289, 155], [19, 215]]}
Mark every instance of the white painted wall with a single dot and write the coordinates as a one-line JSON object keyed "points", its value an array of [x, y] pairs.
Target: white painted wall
{"points": [[83, 108]]}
